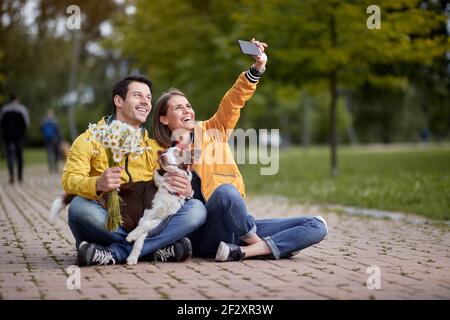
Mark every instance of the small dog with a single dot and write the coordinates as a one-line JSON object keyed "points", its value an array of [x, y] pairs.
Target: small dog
{"points": [[145, 204]]}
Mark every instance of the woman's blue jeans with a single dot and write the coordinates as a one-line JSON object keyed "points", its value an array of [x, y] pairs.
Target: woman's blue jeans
{"points": [[229, 221], [87, 223]]}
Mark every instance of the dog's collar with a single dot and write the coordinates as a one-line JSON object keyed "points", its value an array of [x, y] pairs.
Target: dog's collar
{"points": [[180, 199], [174, 193]]}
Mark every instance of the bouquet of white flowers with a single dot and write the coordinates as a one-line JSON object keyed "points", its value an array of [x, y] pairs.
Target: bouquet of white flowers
{"points": [[119, 139]]}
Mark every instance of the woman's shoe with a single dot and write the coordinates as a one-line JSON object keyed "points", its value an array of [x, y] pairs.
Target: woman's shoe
{"points": [[229, 252]]}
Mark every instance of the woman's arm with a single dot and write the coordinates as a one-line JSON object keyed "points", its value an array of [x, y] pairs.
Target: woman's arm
{"points": [[228, 112]]}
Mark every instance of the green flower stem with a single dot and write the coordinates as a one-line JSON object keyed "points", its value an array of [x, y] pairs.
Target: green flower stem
{"points": [[114, 219]]}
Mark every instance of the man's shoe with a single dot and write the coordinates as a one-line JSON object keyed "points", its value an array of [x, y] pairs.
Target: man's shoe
{"points": [[177, 252], [91, 254], [229, 252]]}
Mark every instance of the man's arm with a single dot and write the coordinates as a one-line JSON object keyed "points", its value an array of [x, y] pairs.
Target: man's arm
{"points": [[76, 177]]}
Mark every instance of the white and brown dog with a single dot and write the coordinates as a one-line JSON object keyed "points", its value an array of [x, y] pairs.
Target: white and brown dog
{"points": [[145, 204]]}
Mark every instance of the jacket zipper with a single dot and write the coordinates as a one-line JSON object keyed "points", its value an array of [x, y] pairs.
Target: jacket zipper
{"points": [[201, 185]]}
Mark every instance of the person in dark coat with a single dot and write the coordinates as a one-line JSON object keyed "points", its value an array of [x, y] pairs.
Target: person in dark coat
{"points": [[14, 122]]}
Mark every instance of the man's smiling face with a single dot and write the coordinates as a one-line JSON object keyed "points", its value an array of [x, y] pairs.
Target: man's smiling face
{"points": [[136, 106]]}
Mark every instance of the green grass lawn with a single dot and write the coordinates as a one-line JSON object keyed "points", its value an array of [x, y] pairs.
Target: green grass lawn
{"points": [[411, 180], [31, 156], [408, 179]]}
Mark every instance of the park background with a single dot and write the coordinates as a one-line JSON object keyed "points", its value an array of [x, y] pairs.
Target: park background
{"points": [[364, 114]]}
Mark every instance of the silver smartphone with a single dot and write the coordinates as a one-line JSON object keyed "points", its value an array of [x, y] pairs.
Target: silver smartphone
{"points": [[248, 47]]}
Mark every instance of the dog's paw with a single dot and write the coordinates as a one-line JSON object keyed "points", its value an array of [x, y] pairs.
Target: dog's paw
{"points": [[131, 261], [134, 235]]}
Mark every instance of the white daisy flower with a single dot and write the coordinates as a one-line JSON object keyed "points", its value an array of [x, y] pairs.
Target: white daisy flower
{"points": [[121, 138]]}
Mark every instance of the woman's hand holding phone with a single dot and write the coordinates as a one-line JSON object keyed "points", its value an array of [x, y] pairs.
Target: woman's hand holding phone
{"points": [[261, 59]]}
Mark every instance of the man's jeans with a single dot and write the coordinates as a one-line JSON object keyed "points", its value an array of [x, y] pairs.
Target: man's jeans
{"points": [[229, 221], [87, 222]]}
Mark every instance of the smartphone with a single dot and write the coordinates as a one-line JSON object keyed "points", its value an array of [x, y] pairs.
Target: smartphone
{"points": [[248, 47]]}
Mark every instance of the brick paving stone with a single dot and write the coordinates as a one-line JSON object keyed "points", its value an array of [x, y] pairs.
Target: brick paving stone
{"points": [[414, 259]]}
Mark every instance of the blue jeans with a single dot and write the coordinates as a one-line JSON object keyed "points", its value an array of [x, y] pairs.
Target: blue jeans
{"points": [[87, 223], [229, 221]]}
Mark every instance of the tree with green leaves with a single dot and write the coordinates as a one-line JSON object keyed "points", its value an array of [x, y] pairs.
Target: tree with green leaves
{"points": [[37, 54], [179, 44], [329, 41], [319, 51]]}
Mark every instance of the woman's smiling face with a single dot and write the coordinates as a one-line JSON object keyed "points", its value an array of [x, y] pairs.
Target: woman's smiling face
{"points": [[180, 114]]}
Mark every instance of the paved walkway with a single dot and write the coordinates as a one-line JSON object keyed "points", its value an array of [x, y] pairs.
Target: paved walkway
{"points": [[413, 260]]}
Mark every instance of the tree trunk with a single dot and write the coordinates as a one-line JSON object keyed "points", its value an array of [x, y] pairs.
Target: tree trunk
{"points": [[72, 83], [333, 133], [333, 98], [306, 136]]}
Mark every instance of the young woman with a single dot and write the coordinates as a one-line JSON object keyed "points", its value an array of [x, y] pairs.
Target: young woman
{"points": [[230, 232]]}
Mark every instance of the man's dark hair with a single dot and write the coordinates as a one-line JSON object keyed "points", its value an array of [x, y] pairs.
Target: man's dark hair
{"points": [[121, 87], [12, 96]]}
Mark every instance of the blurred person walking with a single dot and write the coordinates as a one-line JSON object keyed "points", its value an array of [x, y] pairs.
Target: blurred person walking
{"points": [[14, 121], [52, 140]]}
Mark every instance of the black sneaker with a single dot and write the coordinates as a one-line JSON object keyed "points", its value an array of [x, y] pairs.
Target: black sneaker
{"points": [[92, 254], [177, 252], [229, 252]]}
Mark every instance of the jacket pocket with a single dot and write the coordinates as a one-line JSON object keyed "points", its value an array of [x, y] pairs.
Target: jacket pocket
{"points": [[235, 179], [220, 178], [225, 174]]}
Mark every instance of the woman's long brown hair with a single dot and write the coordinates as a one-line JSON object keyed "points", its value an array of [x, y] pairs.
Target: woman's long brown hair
{"points": [[161, 132]]}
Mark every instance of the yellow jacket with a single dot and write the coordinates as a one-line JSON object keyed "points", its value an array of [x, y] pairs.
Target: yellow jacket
{"points": [[87, 160], [216, 164]]}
